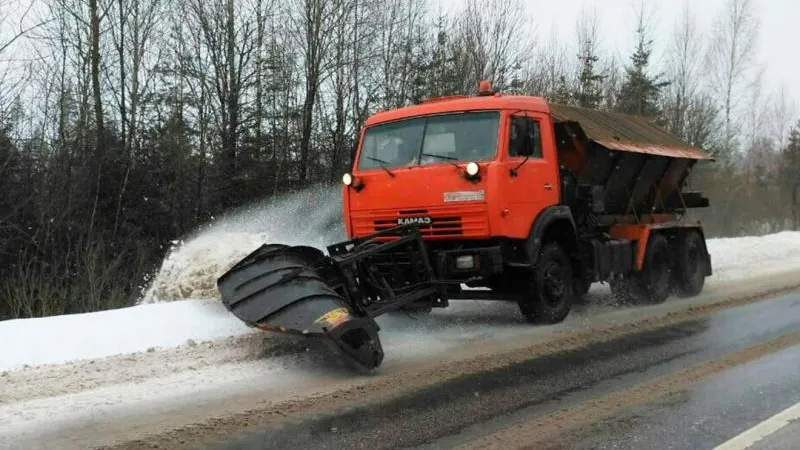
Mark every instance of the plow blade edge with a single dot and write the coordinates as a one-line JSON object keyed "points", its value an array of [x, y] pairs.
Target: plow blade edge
{"points": [[293, 290]]}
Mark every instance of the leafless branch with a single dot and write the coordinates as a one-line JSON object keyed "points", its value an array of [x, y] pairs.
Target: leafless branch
{"points": [[22, 29]]}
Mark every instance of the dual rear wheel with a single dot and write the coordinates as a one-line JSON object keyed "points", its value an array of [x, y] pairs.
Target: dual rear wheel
{"points": [[692, 265], [678, 266], [675, 266]]}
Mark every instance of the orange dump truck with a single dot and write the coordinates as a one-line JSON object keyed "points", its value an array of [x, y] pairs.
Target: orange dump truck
{"points": [[486, 197]]}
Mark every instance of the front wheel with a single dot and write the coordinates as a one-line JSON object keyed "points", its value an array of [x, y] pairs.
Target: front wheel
{"points": [[551, 290]]}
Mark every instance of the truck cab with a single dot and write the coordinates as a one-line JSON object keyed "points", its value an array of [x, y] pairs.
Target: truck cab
{"points": [[466, 168]]}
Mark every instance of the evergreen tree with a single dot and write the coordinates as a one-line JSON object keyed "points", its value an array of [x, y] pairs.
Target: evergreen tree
{"points": [[589, 89], [589, 93], [438, 73], [561, 92], [790, 162], [640, 91], [11, 198]]}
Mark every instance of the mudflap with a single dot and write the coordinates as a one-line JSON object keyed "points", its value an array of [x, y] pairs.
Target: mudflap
{"points": [[294, 290]]}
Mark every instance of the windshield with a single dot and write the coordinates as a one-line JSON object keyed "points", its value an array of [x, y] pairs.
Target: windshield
{"points": [[427, 140]]}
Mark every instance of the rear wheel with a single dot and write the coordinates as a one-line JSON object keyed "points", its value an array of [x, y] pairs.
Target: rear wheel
{"points": [[652, 284], [551, 290], [691, 265]]}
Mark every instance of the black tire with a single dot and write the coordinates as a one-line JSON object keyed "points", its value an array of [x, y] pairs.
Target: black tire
{"points": [[551, 289], [691, 264], [653, 284]]}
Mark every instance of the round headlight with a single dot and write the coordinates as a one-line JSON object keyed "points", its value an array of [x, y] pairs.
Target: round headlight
{"points": [[347, 179], [472, 169]]}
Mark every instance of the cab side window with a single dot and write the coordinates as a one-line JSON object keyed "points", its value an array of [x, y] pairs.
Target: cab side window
{"points": [[525, 137]]}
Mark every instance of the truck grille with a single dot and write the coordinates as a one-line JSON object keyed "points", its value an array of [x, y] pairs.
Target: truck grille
{"points": [[435, 222]]}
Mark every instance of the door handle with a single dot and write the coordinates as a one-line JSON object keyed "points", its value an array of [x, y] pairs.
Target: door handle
{"points": [[548, 186]]}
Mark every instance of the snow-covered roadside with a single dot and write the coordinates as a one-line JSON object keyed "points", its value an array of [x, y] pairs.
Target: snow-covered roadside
{"points": [[59, 339], [204, 359], [99, 402], [735, 258], [165, 325]]}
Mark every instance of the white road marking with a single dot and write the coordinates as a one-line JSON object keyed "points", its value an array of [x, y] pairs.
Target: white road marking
{"points": [[762, 430]]}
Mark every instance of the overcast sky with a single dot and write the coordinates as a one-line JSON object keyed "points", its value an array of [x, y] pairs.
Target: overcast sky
{"points": [[778, 40], [779, 34]]}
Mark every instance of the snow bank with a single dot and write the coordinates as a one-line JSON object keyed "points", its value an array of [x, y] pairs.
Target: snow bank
{"points": [[734, 258], [181, 302], [164, 324], [58, 339]]}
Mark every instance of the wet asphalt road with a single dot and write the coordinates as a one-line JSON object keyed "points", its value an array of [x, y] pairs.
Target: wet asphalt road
{"points": [[693, 413]]}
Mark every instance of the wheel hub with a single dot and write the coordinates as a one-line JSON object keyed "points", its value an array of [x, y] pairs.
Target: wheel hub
{"points": [[554, 284]]}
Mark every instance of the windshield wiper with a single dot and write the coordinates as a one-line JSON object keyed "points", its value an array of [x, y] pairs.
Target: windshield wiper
{"points": [[449, 158], [440, 156], [383, 164]]}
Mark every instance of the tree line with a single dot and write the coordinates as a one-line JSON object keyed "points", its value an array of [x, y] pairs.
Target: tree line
{"points": [[129, 123]]}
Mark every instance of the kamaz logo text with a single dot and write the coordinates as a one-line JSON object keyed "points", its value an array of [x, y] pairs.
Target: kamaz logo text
{"points": [[412, 220]]}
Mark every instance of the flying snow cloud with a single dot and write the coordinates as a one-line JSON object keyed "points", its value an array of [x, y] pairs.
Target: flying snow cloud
{"points": [[311, 217]]}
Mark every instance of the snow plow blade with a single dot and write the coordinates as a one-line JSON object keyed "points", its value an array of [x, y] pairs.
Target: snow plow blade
{"points": [[294, 290], [300, 290]]}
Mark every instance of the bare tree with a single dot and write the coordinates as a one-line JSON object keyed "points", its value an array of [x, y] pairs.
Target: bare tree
{"points": [[132, 34], [550, 73], [613, 70], [702, 122], [23, 26], [263, 12], [71, 33], [286, 79], [684, 71], [364, 90], [756, 111], [731, 56], [228, 41], [395, 27], [95, 16], [492, 41], [314, 24], [97, 13], [77, 38], [190, 89], [340, 87], [782, 113]]}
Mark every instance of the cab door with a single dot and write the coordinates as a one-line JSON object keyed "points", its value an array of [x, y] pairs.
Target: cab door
{"points": [[531, 171]]}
